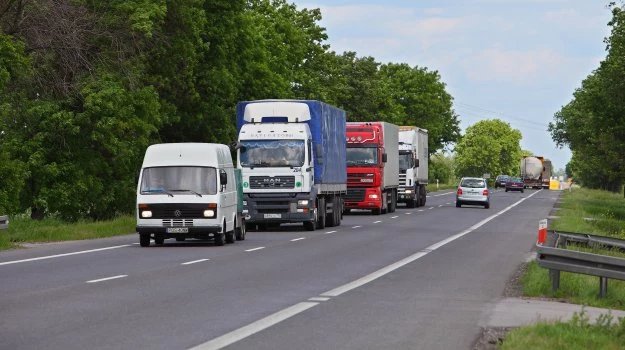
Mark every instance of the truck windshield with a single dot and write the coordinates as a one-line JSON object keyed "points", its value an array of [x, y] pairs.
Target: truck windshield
{"points": [[362, 156], [272, 153], [175, 179], [405, 161]]}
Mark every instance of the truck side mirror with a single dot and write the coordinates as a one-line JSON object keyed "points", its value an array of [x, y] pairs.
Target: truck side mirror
{"points": [[384, 157], [416, 162]]}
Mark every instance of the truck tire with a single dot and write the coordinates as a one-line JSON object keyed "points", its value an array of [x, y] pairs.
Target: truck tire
{"points": [[321, 213], [144, 239], [393, 206], [411, 203], [331, 217], [312, 224], [423, 194]]}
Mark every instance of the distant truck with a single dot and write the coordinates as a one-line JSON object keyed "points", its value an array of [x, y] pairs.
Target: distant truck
{"points": [[188, 190], [547, 173], [292, 155], [372, 166], [532, 171], [413, 166]]}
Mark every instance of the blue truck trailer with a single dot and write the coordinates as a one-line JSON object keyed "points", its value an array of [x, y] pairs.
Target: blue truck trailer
{"points": [[292, 154]]}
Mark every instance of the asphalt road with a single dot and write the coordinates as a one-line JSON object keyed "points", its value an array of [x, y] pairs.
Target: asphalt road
{"points": [[415, 279]]}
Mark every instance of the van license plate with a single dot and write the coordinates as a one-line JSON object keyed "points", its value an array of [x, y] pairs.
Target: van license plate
{"points": [[273, 216], [177, 230]]}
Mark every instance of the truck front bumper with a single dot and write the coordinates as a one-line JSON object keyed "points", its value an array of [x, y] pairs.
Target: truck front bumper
{"points": [[279, 208], [405, 194]]}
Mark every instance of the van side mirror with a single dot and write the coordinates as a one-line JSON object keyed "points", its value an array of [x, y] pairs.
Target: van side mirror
{"points": [[223, 177]]}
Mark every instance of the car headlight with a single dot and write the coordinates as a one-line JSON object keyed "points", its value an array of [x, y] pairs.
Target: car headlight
{"points": [[209, 213], [302, 202], [146, 214]]}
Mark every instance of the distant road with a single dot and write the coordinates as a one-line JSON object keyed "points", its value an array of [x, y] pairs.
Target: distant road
{"points": [[418, 278]]}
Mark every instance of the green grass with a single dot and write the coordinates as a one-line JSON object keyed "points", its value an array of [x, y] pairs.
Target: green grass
{"points": [[579, 333], [432, 187], [583, 211], [25, 230]]}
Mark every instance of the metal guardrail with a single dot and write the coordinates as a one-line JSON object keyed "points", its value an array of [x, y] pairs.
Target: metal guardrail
{"points": [[554, 256], [4, 222]]}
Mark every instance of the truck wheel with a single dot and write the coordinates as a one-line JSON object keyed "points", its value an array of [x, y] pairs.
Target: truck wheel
{"points": [[424, 195], [376, 211], [330, 218], [321, 214], [219, 239], [144, 239], [411, 203], [312, 224], [158, 239], [393, 206], [241, 230]]}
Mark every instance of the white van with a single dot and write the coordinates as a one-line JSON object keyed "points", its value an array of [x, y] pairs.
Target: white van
{"points": [[187, 190]]}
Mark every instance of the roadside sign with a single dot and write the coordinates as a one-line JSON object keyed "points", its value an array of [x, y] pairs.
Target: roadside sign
{"points": [[486, 176], [542, 231]]}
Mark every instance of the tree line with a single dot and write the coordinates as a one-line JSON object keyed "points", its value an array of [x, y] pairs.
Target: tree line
{"points": [[592, 124], [87, 85]]}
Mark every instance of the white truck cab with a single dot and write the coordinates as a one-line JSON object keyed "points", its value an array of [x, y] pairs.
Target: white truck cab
{"points": [[187, 190]]}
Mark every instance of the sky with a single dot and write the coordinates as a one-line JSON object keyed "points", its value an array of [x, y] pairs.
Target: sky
{"points": [[516, 60]]}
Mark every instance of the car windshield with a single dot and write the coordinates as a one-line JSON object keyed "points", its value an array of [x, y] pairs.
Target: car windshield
{"points": [[472, 183], [172, 179], [272, 153], [514, 179]]}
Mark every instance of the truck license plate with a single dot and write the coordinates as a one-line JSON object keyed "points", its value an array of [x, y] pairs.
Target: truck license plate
{"points": [[273, 216], [177, 230]]}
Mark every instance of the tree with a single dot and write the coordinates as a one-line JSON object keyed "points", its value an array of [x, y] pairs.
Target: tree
{"points": [[489, 146]]}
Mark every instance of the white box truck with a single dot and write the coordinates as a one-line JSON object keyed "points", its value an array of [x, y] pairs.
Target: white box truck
{"points": [[188, 190], [413, 166]]}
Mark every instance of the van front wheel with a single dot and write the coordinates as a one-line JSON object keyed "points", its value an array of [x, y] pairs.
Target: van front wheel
{"points": [[144, 239]]}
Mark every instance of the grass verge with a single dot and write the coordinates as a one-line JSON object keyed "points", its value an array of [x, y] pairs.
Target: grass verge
{"points": [[25, 230], [579, 333], [585, 211]]}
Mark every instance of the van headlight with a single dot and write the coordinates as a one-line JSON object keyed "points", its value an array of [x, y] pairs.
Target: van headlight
{"points": [[209, 213], [302, 202], [146, 214]]}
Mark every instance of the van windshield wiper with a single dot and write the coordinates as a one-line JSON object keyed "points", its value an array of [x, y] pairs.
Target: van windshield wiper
{"points": [[187, 190], [158, 191]]}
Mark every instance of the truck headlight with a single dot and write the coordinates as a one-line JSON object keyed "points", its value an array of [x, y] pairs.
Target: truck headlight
{"points": [[146, 214], [408, 191], [244, 202], [373, 196], [209, 213], [302, 202]]}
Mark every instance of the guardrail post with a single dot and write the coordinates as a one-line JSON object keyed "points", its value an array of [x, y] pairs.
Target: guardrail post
{"points": [[603, 286], [554, 276]]}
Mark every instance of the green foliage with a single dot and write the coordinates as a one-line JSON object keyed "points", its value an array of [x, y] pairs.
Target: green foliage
{"points": [[593, 123], [441, 168], [102, 80], [489, 146]]}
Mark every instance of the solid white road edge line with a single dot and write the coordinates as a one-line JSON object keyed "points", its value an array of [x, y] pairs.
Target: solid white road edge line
{"points": [[282, 315], [194, 261], [107, 279], [255, 327], [61, 255], [253, 249]]}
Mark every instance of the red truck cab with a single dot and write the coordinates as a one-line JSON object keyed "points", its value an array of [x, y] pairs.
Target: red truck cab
{"points": [[372, 166]]}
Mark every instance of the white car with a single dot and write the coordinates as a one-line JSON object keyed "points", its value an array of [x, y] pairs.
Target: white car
{"points": [[473, 191]]}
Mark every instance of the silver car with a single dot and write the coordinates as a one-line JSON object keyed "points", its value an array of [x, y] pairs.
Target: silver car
{"points": [[473, 191]]}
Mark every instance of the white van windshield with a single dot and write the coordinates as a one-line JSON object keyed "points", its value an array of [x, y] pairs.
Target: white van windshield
{"points": [[177, 179]]}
